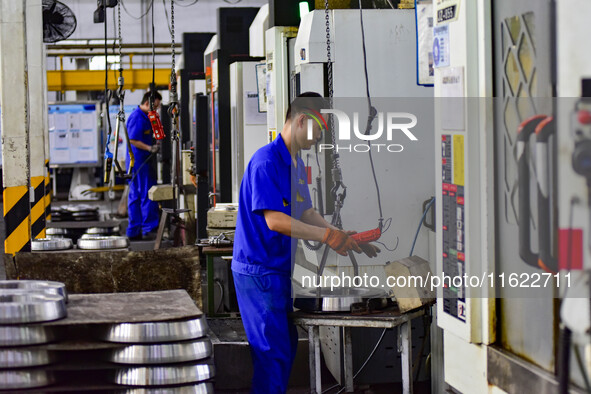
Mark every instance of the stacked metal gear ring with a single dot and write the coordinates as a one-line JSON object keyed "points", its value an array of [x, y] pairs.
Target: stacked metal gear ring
{"points": [[49, 244], [101, 242], [54, 232], [155, 351], [23, 305], [200, 388], [34, 286]]}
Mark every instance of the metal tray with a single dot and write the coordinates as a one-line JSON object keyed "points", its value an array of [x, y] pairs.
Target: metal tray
{"points": [[19, 358], [31, 308], [164, 376], [48, 244], [336, 300], [23, 379], [156, 332], [201, 388], [163, 353], [44, 286], [100, 242], [11, 336]]}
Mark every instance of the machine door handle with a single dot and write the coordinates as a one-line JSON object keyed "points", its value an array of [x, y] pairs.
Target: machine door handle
{"points": [[544, 161], [526, 129]]}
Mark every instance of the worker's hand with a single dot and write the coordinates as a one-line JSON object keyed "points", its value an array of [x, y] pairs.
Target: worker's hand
{"points": [[340, 242], [155, 148], [369, 249]]}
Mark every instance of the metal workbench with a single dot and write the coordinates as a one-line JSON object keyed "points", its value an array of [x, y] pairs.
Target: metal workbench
{"points": [[389, 319]]}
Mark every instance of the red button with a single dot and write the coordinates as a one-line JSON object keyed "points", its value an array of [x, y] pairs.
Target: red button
{"points": [[584, 117]]}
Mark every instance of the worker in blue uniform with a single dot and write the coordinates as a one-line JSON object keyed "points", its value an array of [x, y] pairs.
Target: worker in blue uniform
{"points": [[142, 212], [274, 211]]}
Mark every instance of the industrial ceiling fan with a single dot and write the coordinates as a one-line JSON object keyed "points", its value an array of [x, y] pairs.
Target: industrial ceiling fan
{"points": [[59, 22]]}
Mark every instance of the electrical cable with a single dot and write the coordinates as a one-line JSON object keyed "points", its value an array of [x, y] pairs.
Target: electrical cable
{"points": [[187, 5], [217, 281], [582, 368], [372, 112], [375, 348], [421, 225], [107, 91], [153, 86], [135, 17], [166, 15]]}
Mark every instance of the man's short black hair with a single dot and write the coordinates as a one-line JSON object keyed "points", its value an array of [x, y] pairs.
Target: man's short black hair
{"points": [[146, 98], [305, 101]]}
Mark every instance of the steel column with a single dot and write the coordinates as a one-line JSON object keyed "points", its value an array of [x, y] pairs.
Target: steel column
{"points": [[37, 115]]}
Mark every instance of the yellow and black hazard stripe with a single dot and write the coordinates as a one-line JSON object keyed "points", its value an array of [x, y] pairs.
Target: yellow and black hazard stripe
{"points": [[47, 193], [16, 219], [38, 207]]}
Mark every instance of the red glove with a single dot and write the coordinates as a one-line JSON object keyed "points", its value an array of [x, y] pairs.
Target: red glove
{"points": [[370, 250], [340, 242]]}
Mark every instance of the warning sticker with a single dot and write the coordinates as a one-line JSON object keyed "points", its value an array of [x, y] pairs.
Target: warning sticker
{"points": [[458, 160]]}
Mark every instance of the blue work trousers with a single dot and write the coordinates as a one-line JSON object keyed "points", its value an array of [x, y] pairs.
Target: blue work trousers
{"points": [[142, 212], [265, 304]]}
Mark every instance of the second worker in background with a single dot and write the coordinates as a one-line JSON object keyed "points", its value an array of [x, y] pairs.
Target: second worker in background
{"points": [[142, 212]]}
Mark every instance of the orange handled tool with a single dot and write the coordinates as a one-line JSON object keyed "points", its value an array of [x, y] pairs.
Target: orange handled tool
{"points": [[367, 236], [156, 125]]}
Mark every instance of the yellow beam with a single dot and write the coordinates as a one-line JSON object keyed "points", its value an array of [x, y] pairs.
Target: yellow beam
{"points": [[62, 80]]}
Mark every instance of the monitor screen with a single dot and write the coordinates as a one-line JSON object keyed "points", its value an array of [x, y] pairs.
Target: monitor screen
{"points": [[74, 138]]}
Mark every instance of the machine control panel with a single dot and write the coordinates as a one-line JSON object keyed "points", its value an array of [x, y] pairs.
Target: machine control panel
{"points": [[453, 229]]}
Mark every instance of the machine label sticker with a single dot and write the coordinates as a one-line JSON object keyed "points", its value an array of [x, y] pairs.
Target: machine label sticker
{"points": [[453, 200], [441, 46], [447, 10]]}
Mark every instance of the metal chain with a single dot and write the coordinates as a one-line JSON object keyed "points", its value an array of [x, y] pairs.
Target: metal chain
{"points": [[173, 72], [328, 54], [335, 156], [120, 36]]}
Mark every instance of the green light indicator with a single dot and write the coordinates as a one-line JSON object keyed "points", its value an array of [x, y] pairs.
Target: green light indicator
{"points": [[304, 9]]}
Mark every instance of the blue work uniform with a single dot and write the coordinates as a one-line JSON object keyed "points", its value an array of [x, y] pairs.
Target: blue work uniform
{"points": [[262, 262], [142, 212]]}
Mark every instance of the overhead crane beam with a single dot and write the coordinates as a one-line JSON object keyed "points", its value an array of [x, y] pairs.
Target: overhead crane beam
{"points": [[62, 80]]}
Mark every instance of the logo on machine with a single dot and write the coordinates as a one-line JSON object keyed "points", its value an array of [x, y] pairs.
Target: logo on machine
{"points": [[390, 122]]}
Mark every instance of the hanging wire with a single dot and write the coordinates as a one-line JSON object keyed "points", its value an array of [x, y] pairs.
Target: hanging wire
{"points": [[136, 17], [166, 15], [107, 91], [372, 112]]}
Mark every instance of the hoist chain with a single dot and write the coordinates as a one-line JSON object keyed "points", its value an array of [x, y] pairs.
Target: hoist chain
{"points": [[120, 81], [174, 101], [336, 169]]}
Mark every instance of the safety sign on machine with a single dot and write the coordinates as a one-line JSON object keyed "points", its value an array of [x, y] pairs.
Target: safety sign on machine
{"points": [[454, 258]]}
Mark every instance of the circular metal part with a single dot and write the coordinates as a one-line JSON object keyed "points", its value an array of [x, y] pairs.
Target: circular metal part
{"points": [[163, 353], [47, 244], [11, 336], [339, 299], [34, 286], [55, 231], [18, 358], [31, 308], [24, 379], [100, 242], [163, 376], [201, 388], [103, 230], [157, 332], [80, 208]]}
